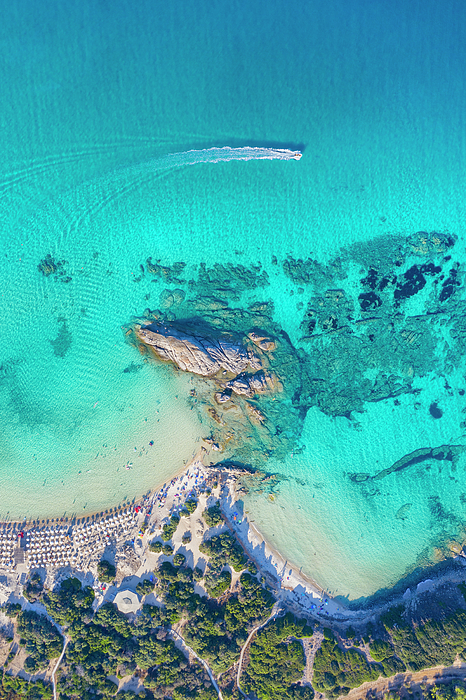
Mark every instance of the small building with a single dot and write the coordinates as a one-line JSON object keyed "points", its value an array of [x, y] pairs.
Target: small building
{"points": [[127, 601]]}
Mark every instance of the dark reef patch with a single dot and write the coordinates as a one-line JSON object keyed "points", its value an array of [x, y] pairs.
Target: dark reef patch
{"points": [[132, 368], [54, 268], [449, 453], [435, 411], [62, 343], [369, 301], [358, 344]]}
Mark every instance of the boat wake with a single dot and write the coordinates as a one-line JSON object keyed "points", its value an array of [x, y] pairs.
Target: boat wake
{"points": [[226, 154], [222, 154], [78, 205]]}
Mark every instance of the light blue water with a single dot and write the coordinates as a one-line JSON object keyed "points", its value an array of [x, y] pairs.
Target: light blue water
{"points": [[92, 96]]}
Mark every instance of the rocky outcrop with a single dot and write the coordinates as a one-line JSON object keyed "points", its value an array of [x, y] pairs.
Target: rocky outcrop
{"points": [[251, 384], [199, 355]]}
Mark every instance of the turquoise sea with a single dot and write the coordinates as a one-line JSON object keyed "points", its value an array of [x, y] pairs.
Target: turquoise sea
{"points": [[93, 97]]}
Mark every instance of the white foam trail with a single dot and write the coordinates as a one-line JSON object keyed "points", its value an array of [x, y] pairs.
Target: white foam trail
{"points": [[225, 154], [93, 195], [209, 155]]}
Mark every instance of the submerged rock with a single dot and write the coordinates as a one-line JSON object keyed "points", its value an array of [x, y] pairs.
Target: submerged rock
{"points": [[401, 513]]}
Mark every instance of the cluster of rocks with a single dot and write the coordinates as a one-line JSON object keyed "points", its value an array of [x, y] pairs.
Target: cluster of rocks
{"points": [[54, 268], [359, 344], [193, 353]]}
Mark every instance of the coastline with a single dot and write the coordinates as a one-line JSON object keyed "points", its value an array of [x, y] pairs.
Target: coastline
{"points": [[82, 540], [305, 593], [63, 547]]}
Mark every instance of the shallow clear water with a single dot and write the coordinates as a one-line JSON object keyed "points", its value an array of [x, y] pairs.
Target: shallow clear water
{"points": [[93, 97]]}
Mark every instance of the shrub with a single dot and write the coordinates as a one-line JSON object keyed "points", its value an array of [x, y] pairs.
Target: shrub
{"points": [[179, 559], [224, 549], [145, 587], [380, 650], [105, 571], [39, 637], [212, 515], [156, 546], [167, 550], [33, 589], [169, 528], [190, 505], [198, 574], [217, 583], [12, 609], [186, 537]]}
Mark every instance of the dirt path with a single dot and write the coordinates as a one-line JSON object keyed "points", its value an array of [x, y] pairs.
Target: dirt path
{"points": [[311, 645], [189, 649], [275, 613], [439, 674], [55, 694]]}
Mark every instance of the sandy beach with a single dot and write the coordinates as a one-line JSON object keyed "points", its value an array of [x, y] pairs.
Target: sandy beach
{"points": [[62, 547]]}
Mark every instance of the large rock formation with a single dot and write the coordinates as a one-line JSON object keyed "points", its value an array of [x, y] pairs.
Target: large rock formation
{"points": [[199, 355]]}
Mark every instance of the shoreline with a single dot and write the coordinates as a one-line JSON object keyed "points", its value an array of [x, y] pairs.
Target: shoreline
{"points": [[308, 595], [74, 545]]}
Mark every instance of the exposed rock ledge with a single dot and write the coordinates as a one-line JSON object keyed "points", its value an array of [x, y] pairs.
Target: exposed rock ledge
{"points": [[237, 369], [204, 356]]}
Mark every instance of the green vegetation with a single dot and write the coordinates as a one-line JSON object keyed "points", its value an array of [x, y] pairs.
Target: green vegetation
{"points": [[276, 661], [156, 546], [454, 690], [106, 571], [213, 515], [337, 671], [190, 505], [12, 687], [252, 568], [403, 646], [169, 528], [167, 549], [224, 549], [198, 574], [33, 588], [179, 559], [106, 643], [215, 631], [145, 587], [187, 537], [217, 583], [383, 652], [433, 643], [40, 639]]}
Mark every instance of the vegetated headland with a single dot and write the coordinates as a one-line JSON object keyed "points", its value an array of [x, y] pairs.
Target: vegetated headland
{"points": [[177, 596]]}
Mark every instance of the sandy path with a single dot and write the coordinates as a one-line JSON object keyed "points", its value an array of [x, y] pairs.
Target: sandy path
{"points": [[55, 694], [436, 674], [275, 613]]}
